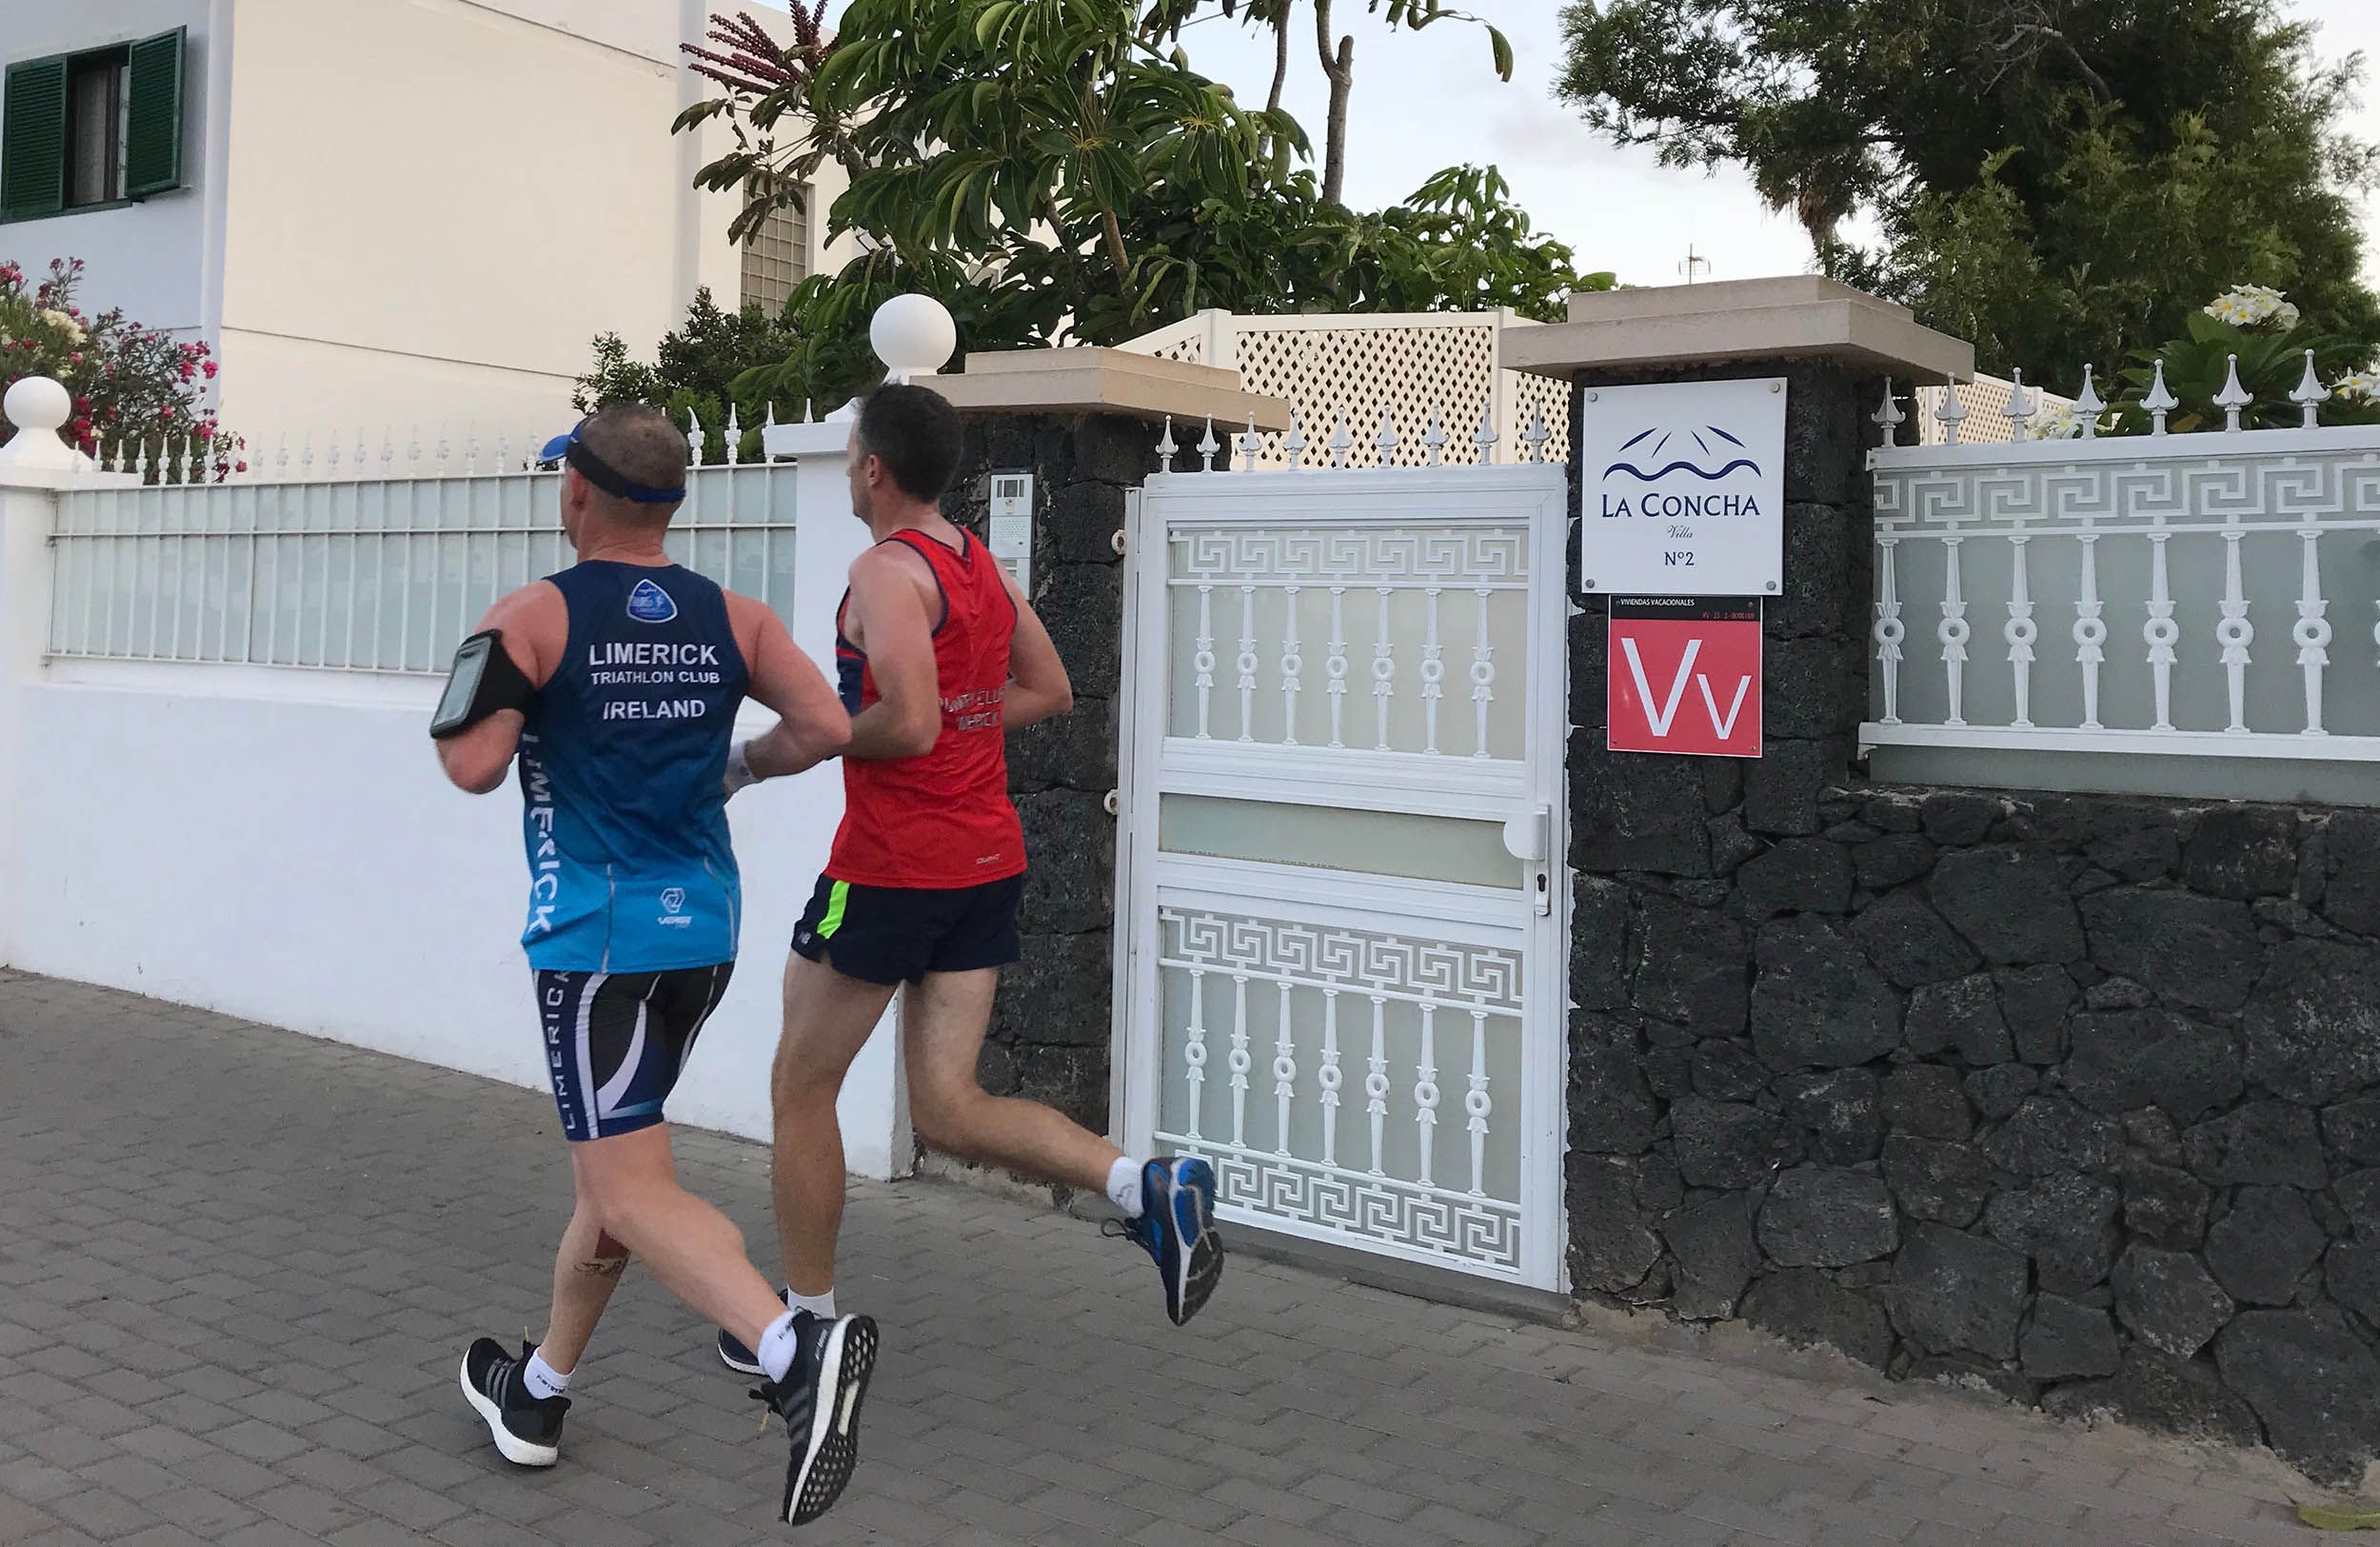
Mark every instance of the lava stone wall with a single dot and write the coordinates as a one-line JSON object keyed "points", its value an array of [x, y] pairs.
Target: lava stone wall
{"points": [[1051, 1023], [2076, 1097]]}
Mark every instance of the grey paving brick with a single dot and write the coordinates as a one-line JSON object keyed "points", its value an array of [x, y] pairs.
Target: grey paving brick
{"points": [[241, 1327]]}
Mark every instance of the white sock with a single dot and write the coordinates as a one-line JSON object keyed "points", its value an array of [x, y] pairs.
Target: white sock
{"points": [[541, 1378], [1123, 1186], [821, 1306], [778, 1347]]}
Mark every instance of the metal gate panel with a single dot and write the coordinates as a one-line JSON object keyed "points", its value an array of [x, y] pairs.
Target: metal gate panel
{"points": [[1341, 934]]}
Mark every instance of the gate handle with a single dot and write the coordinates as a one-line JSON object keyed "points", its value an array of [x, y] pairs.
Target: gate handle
{"points": [[1530, 836]]}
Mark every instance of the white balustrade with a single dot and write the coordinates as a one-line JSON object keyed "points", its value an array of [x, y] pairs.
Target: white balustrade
{"points": [[2198, 535]]}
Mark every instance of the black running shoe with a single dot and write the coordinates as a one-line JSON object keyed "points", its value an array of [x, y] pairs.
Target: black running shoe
{"points": [[527, 1429], [1176, 1229], [736, 1357], [819, 1399]]}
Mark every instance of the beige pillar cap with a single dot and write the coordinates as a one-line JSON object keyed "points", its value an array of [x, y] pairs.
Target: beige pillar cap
{"points": [[1105, 381], [1801, 316]]}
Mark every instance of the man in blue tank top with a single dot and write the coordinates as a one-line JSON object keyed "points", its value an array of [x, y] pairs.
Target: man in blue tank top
{"points": [[615, 684]]}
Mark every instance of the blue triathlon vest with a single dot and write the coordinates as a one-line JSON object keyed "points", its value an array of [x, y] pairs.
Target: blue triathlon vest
{"points": [[630, 867]]}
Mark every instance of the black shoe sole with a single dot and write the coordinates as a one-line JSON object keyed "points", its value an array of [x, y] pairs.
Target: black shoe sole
{"points": [[1206, 1272], [819, 1477]]}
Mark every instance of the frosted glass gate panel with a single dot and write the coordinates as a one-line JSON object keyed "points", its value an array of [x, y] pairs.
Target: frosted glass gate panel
{"points": [[1342, 806]]}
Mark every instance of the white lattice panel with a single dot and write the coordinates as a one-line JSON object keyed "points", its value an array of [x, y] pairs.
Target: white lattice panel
{"points": [[1317, 1062], [1986, 400]]}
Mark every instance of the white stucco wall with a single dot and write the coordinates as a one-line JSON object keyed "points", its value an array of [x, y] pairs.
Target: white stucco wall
{"points": [[153, 258]]}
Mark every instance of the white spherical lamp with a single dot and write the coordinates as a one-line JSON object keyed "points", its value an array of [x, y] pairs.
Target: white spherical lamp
{"points": [[914, 336], [38, 403]]}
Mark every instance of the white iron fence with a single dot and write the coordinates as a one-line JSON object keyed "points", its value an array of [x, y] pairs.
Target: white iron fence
{"points": [[2205, 595], [1417, 371], [365, 572]]}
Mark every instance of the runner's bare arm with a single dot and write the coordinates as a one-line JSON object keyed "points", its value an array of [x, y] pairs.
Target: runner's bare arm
{"points": [[888, 604], [1038, 686], [535, 623], [811, 726]]}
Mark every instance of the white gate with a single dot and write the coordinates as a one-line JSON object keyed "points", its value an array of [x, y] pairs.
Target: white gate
{"points": [[1342, 924]]}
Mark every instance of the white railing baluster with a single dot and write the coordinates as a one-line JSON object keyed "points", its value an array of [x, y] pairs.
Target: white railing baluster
{"points": [[1284, 1070], [2313, 633], [2091, 630], [1328, 1077], [1888, 631], [1238, 1061], [1293, 668], [2236, 633], [2161, 634], [1203, 661], [1246, 663], [1953, 631], [1433, 671], [1476, 1104], [1335, 664], [1194, 1050], [1375, 1085], [2021, 631], [1383, 670], [1482, 676], [1425, 1092]]}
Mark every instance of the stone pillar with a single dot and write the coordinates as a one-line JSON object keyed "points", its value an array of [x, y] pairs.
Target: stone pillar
{"points": [[35, 467], [1689, 1002]]}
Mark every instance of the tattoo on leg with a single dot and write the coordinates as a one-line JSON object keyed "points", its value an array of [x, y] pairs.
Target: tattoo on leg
{"points": [[603, 1267]]}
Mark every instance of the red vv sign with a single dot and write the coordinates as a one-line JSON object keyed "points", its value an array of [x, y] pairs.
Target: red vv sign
{"points": [[1684, 676]]}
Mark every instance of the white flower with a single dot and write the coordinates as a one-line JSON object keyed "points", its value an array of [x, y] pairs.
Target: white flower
{"points": [[64, 323], [2248, 305], [2363, 384]]}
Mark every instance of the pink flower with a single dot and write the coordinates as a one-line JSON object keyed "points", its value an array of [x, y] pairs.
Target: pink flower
{"points": [[211, 368], [238, 466]]}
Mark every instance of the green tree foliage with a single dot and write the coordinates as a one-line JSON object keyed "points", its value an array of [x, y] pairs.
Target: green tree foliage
{"points": [[2059, 180], [1055, 170], [694, 374]]}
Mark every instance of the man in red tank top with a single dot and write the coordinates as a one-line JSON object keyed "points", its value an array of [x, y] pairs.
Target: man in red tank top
{"points": [[940, 656]]}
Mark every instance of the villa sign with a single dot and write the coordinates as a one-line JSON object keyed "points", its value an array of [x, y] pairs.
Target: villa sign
{"points": [[1683, 488]]}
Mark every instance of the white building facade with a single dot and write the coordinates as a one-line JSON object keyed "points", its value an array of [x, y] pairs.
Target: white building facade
{"points": [[378, 213]]}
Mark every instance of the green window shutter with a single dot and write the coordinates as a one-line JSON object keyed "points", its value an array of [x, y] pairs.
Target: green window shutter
{"points": [[152, 115], [33, 139]]}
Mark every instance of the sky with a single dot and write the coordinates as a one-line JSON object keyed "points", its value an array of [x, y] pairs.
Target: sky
{"points": [[1425, 102]]}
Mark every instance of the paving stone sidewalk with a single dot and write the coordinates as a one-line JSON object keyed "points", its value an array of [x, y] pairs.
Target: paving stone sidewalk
{"points": [[238, 1266]]}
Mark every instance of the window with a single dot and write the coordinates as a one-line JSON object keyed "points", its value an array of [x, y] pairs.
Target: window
{"points": [[92, 127], [777, 255]]}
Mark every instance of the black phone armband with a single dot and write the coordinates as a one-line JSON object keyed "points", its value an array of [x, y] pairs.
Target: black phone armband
{"points": [[484, 680]]}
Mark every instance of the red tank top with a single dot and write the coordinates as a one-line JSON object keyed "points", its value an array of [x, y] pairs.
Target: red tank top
{"points": [[942, 819]]}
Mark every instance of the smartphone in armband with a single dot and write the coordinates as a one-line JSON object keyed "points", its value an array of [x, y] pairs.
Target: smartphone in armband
{"points": [[463, 685]]}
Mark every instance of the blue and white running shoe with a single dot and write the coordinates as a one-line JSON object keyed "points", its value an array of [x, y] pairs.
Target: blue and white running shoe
{"points": [[1177, 1228]]}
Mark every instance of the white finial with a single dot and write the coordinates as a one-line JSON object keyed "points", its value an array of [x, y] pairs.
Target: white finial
{"points": [[2159, 402], [119, 463], [1435, 438], [330, 458], [735, 437], [768, 424], [1484, 437], [912, 335], [2311, 394], [280, 458], [1341, 442], [39, 406], [1889, 416], [1953, 411], [1208, 446], [413, 452], [503, 453], [2233, 398], [387, 454], [1250, 443], [693, 439], [2090, 406], [140, 466], [1166, 450], [190, 462], [2021, 405], [1294, 445], [1535, 437], [442, 452], [1385, 443], [470, 450]]}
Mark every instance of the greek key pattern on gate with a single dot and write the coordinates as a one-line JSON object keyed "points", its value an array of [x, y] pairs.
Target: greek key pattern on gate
{"points": [[2306, 486], [1462, 558], [1477, 1232], [1333, 956]]}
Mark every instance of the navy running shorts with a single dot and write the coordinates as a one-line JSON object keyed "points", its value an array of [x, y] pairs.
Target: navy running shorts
{"points": [[889, 935], [616, 1042]]}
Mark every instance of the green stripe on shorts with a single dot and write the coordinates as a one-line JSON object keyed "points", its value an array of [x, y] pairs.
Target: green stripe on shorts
{"points": [[837, 900]]}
